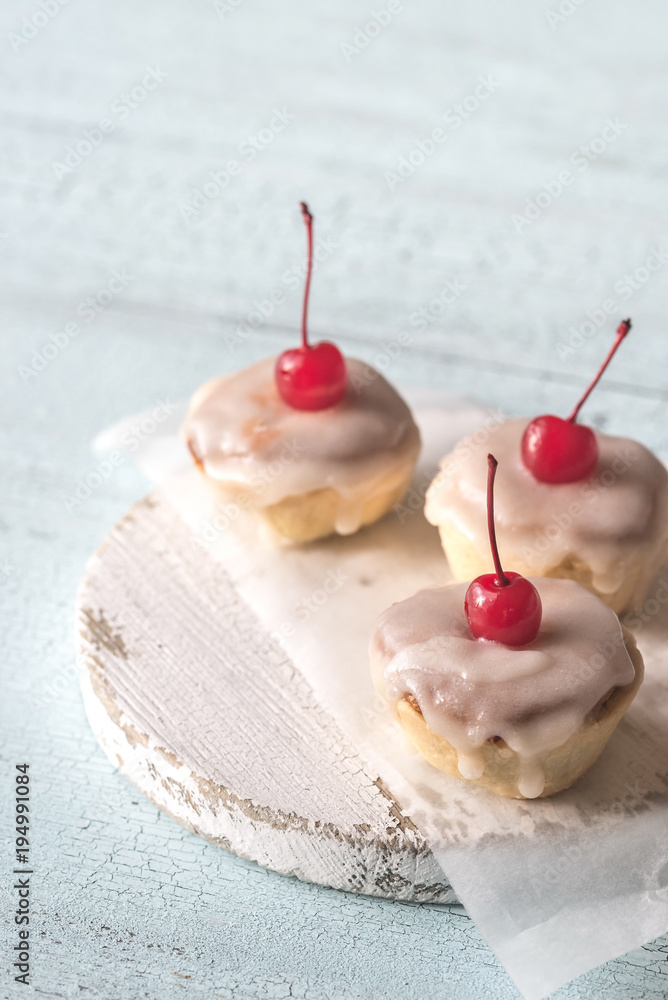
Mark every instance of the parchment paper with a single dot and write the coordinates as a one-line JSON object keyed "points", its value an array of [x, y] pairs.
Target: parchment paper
{"points": [[556, 886]]}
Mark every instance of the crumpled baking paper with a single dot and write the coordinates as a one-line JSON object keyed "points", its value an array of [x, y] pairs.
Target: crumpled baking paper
{"points": [[555, 886]]}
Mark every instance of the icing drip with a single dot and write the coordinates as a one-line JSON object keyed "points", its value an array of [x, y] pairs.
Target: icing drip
{"points": [[470, 691], [262, 451], [349, 517], [531, 781], [607, 522], [471, 765]]}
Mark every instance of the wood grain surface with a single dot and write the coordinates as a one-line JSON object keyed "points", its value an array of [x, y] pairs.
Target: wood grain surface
{"points": [[198, 705], [130, 904]]}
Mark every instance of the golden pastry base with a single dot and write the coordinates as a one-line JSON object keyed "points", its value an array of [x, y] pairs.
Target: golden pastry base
{"points": [[466, 563], [313, 515]]}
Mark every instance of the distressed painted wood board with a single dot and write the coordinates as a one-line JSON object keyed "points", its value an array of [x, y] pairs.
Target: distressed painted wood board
{"points": [[164, 335], [202, 710]]}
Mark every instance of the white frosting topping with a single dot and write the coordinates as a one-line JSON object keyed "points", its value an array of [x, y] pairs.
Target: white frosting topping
{"points": [[470, 690], [606, 521], [250, 440]]}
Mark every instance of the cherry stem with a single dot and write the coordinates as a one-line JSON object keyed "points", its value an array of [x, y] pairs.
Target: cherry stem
{"points": [[622, 330], [308, 219], [491, 474]]}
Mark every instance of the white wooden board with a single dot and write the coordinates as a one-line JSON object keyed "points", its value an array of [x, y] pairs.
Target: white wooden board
{"points": [[202, 710]]}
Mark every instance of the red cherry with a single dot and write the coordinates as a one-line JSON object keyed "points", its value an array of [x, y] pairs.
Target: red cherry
{"points": [[311, 378], [509, 614], [560, 451], [557, 451], [502, 607]]}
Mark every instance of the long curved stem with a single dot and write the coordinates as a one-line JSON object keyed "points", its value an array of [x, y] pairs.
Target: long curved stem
{"points": [[492, 465], [308, 219], [622, 330]]}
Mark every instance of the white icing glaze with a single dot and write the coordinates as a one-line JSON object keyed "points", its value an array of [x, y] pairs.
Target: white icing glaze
{"points": [[247, 438], [471, 690], [616, 516], [471, 765]]}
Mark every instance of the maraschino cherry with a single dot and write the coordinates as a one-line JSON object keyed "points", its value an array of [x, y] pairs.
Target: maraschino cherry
{"points": [[311, 377], [502, 607], [560, 451]]}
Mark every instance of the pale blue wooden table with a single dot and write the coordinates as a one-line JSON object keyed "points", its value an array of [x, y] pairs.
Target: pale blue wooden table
{"points": [[126, 903]]}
